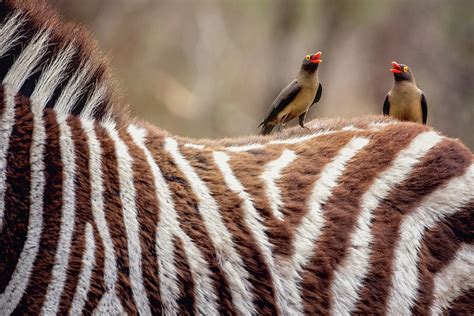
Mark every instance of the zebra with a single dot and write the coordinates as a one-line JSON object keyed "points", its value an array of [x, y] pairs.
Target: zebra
{"points": [[101, 213]]}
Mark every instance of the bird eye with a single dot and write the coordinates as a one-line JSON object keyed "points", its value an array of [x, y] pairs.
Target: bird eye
{"points": [[308, 57], [405, 69]]}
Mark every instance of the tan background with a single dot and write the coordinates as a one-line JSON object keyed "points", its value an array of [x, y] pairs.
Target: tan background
{"points": [[211, 68]]}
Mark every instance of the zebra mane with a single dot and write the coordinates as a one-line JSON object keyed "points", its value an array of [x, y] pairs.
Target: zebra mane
{"points": [[55, 64]]}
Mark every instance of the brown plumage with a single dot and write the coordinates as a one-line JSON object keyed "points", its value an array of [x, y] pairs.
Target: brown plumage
{"points": [[297, 97], [405, 101]]}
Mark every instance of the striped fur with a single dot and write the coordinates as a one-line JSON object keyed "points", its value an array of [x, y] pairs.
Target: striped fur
{"points": [[102, 214]]}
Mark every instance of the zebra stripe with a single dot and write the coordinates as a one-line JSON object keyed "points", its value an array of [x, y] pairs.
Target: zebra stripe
{"points": [[287, 141], [56, 286], [128, 196], [310, 228], [454, 279], [167, 228], [13, 293], [5, 132], [232, 264], [349, 276], [88, 262], [13, 81], [271, 174], [254, 221], [109, 303], [441, 203]]}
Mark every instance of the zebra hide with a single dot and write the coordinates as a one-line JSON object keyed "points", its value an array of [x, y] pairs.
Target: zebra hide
{"points": [[101, 213]]}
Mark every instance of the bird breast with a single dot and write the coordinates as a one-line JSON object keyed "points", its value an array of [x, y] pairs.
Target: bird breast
{"points": [[405, 102]]}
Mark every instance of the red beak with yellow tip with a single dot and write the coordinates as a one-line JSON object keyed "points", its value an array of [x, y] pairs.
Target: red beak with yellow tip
{"points": [[396, 68], [316, 58]]}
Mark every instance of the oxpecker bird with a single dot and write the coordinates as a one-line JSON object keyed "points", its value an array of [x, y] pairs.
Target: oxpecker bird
{"points": [[297, 97], [405, 101]]}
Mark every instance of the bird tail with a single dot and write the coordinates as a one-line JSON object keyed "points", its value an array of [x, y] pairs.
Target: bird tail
{"points": [[266, 129]]}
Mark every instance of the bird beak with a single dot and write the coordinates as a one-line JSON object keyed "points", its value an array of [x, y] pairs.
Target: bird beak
{"points": [[316, 58], [396, 68]]}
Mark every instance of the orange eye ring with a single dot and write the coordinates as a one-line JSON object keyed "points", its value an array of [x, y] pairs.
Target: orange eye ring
{"points": [[405, 69], [308, 57]]}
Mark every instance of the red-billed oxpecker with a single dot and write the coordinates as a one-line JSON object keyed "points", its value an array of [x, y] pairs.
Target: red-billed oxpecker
{"points": [[297, 97], [405, 101]]}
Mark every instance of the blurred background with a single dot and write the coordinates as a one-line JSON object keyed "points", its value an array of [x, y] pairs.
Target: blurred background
{"points": [[211, 68]]}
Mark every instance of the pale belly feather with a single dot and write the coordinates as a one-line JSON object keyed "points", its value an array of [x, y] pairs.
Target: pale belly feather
{"points": [[299, 105]]}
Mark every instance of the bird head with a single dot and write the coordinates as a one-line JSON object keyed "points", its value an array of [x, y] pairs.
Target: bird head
{"points": [[401, 72], [311, 62]]}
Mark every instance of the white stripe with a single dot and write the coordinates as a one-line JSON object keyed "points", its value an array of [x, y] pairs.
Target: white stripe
{"points": [[88, 262], [245, 147], [8, 32], [132, 228], [94, 100], [349, 276], [351, 128], [74, 88], [271, 174], [27, 61], [297, 140], [381, 125], [226, 254], [310, 228], [68, 209], [254, 221], [168, 229], [13, 81], [13, 293], [439, 204], [109, 303], [6, 128], [195, 146], [52, 76], [287, 141], [454, 279]]}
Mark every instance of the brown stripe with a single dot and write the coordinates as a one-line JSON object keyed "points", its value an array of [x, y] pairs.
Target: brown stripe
{"points": [[439, 249], [462, 305], [15, 221], [441, 163], [41, 274], [82, 212], [298, 181], [295, 184], [185, 280], [114, 219], [230, 207], [148, 216], [191, 221], [341, 213], [97, 285]]}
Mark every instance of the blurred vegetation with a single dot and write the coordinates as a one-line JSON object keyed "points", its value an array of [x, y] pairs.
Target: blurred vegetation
{"points": [[211, 68]]}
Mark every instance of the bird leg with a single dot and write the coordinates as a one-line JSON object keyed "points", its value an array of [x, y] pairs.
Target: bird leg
{"points": [[302, 118]]}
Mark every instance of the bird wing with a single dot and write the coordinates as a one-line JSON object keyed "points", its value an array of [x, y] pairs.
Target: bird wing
{"points": [[317, 97], [386, 106], [285, 97], [424, 108]]}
